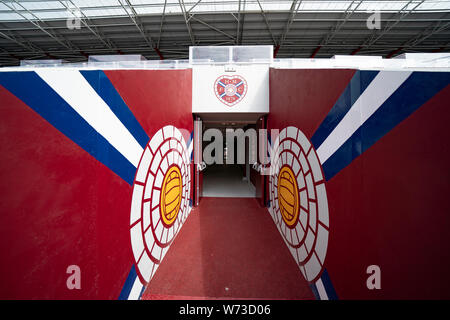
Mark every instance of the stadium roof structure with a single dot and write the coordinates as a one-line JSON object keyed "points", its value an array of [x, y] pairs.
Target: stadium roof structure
{"points": [[164, 29]]}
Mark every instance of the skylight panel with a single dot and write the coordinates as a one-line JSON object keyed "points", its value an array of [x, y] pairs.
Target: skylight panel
{"points": [[38, 5], [47, 15], [51, 10], [104, 12]]}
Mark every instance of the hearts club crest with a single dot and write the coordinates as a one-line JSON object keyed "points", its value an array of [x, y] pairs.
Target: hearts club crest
{"points": [[230, 89]]}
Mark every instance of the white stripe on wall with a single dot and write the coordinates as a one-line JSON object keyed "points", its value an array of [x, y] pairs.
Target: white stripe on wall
{"points": [[77, 92], [135, 290], [379, 90], [321, 290]]}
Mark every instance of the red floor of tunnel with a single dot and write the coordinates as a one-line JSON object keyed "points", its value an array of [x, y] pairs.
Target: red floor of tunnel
{"points": [[229, 248]]}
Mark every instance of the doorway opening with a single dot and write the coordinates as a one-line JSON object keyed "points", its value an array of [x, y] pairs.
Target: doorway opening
{"points": [[230, 178], [233, 171]]}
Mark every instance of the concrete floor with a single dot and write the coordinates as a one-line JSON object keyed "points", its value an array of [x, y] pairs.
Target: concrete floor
{"points": [[225, 181], [228, 248]]}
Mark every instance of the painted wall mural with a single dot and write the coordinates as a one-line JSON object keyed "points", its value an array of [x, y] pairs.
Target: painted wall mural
{"points": [[78, 147], [161, 196], [299, 201], [374, 179], [96, 172]]}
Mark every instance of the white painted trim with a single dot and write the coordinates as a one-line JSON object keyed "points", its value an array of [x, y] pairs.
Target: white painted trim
{"points": [[78, 93], [379, 90], [135, 291], [321, 290]]}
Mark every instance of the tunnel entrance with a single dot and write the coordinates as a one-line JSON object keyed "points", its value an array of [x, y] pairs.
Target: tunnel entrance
{"points": [[222, 180], [231, 178], [227, 156], [228, 249]]}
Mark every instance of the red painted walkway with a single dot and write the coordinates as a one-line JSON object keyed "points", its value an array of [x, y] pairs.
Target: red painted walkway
{"points": [[228, 248]]}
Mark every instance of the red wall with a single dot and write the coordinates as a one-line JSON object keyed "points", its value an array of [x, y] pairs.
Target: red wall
{"points": [[156, 98], [303, 98], [255, 178], [389, 206], [60, 206]]}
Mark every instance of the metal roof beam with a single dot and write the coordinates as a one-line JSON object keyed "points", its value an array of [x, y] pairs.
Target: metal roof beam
{"points": [[240, 24], [430, 31], [195, 4], [292, 13], [375, 37], [67, 45], [188, 23], [31, 48], [267, 23], [347, 14], [134, 18], [161, 24], [35, 23], [213, 28], [91, 28]]}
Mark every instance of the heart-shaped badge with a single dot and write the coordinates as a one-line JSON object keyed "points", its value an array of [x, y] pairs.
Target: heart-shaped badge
{"points": [[230, 89]]}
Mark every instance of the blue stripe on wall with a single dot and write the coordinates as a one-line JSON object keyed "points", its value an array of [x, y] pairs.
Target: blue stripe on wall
{"points": [[39, 96], [191, 137], [142, 292], [314, 291], [331, 293], [357, 85], [411, 95], [105, 89], [126, 289]]}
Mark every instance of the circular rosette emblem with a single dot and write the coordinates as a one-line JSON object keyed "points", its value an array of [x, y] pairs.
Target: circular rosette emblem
{"points": [[160, 202], [298, 200]]}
